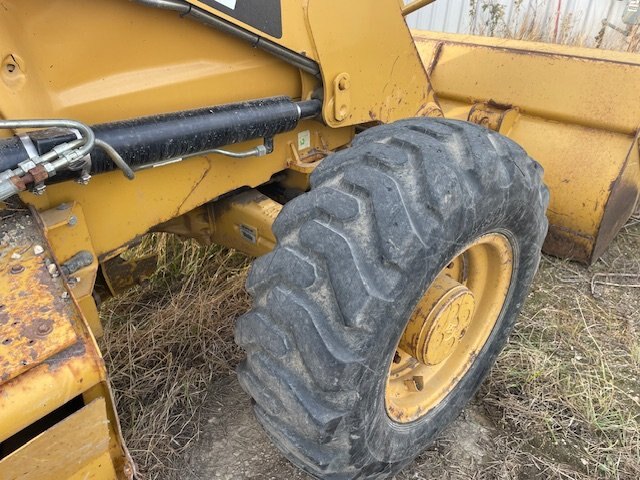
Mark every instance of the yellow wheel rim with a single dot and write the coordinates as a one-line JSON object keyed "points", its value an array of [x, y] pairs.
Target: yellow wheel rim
{"points": [[448, 328]]}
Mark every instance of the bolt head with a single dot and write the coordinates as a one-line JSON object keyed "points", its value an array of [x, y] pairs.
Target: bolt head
{"points": [[44, 329], [84, 179], [16, 269]]}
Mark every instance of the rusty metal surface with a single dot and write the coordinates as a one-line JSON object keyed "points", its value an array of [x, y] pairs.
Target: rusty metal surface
{"points": [[52, 357], [499, 118], [33, 322], [623, 198], [563, 242], [121, 274], [47, 356]]}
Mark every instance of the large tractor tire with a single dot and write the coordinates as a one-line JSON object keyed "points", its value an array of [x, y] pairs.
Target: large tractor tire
{"points": [[393, 288]]}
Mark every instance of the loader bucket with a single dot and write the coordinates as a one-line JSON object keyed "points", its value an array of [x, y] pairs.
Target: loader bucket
{"points": [[575, 110]]}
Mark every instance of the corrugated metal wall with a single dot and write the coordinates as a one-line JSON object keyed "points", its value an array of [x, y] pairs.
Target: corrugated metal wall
{"points": [[579, 19]]}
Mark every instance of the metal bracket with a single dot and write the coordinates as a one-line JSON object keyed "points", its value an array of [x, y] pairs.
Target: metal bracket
{"points": [[493, 116], [342, 97]]}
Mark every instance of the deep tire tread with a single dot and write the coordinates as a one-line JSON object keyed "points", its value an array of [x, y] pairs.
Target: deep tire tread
{"points": [[344, 251]]}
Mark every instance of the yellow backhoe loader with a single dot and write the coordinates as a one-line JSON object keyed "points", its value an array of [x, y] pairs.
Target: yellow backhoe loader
{"points": [[379, 174]]}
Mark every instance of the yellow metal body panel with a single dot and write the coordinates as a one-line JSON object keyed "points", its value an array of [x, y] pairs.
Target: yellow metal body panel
{"points": [[122, 60], [32, 328], [373, 47], [66, 231], [577, 114], [295, 34], [387, 85], [63, 362], [82, 439], [167, 64], [244, 222]]}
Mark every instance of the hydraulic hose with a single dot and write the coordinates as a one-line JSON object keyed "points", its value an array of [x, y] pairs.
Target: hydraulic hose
{"points": [[136, 143]]}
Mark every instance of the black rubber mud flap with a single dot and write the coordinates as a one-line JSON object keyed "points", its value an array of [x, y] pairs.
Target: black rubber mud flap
{"points": [[354, 256]]}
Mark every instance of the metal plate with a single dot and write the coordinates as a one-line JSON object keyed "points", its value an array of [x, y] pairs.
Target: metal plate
{"points": [[33, 321], [265, 15], [84, 435]]}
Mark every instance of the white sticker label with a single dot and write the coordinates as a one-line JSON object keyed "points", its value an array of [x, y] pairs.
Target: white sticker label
{"points": [[304, 140], [228, 3]]}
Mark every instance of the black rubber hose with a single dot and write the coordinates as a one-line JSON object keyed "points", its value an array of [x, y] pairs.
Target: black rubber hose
{"points": [[158, 138], [148, 140]]}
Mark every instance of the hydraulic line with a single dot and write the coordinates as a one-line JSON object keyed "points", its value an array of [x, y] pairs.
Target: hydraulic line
{"points": [[188, 10], [142, 142]]}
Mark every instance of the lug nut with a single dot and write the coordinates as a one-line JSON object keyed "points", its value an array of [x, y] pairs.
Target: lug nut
{"points": [[415, 384]]}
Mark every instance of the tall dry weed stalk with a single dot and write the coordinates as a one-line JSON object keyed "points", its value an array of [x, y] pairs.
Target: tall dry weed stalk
{"points": [[531, 22]]}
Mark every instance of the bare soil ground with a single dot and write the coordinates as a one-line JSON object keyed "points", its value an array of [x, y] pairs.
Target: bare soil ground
{"points": [[562, 402]]}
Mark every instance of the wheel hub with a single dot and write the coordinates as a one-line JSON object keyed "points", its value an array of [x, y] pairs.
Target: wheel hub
{"points": [[448, 328], [439, 321]]}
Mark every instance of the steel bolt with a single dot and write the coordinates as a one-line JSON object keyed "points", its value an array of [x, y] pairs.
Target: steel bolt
{"points": [[16, 269], [73, 220], [44, 329], [84, 179]]}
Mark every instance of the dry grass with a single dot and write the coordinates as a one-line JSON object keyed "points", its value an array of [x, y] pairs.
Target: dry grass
{"points": [[566, 391], [562, 402], [166, 343]]}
